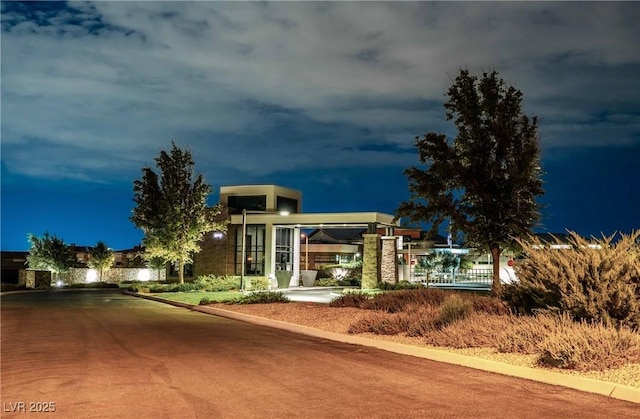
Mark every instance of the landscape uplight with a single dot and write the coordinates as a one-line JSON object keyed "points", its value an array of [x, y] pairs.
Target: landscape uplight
{"points": [[144, 275], [92, 275]]}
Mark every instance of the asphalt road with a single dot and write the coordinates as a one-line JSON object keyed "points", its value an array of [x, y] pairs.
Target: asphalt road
{"points": [[104, 354]]}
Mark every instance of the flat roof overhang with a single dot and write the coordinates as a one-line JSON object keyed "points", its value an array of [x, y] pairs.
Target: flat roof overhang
{"points": [[308, 220]]}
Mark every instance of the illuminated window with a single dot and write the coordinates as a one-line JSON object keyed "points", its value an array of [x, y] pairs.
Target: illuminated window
{"points": [[254, 250], [289, 205], [284, 249]]}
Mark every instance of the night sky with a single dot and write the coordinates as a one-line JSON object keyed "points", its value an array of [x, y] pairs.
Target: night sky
{"points": [[322, 97]]}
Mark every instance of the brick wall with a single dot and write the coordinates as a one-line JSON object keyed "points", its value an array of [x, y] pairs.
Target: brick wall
{"points": [[217, 256]]}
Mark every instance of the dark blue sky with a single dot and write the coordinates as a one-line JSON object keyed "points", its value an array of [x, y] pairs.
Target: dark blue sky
{"points": [[322, 97]]}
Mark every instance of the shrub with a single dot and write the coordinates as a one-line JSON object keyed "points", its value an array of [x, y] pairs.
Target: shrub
{"points": [[396, 301], [597, 282], [479, 330], [381, 324], [402, 285], [349, 300], [205, 301], [186, 286], [263, 298], [422, 320], [488, 305], [92, 285], [258, 283], [524, 334], [453, 308], [584, 346], [213, 283], [326, 282]]}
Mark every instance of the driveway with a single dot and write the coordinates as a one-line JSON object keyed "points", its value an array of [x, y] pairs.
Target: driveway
{"points": [[104, 354]]}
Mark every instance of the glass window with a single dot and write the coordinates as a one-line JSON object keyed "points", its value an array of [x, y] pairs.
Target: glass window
{"points": [[237, 203], [188, 269], [254, 253], [287, 204], [284, 249]]}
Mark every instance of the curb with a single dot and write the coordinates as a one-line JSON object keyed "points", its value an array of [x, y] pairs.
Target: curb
{"points": [[616, 391]]}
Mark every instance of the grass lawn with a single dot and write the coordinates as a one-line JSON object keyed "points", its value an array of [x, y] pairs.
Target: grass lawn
{"points": [[194, 297]]}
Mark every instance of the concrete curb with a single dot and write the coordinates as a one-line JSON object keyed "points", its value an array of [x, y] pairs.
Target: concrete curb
{"points": [[604, 388]]}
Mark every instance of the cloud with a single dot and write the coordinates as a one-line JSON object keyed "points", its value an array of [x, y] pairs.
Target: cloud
{"points": [[269, 87]]}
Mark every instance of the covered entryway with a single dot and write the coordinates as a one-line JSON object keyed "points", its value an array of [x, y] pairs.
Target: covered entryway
{"points": [[272, 244]]}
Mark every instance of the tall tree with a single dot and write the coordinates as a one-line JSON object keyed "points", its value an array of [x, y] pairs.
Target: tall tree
{"points": [[49, 253], [101, 258], [172, 209], [485, 181], [158, 264]]}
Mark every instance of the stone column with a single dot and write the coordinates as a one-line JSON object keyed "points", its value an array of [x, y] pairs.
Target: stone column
{"points": [[389, 260], [371, 261]]}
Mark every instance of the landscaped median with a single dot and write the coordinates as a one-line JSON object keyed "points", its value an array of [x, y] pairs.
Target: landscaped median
{"points": [[333, 323]]}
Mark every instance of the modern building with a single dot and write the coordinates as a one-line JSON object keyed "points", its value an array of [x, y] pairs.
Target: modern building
{"points": [[272, 221]]}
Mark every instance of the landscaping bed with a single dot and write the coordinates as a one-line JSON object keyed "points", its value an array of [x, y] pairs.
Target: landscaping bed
{"points": [[340, 319]]}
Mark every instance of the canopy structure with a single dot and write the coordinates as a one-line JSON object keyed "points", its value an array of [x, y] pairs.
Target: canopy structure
{"points": [[280, 234]]}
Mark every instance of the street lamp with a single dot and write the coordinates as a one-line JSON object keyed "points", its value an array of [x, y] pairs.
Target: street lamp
{"points": [[244, 237]]}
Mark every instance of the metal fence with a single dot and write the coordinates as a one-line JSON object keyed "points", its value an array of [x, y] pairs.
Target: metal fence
{"points": [[475, 278]]}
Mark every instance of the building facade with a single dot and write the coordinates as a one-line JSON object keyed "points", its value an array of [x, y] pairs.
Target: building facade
{"points": [[272, 221]]}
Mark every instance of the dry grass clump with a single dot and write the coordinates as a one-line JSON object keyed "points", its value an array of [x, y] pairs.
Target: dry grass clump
{"points": [[587, 346], [454, 308], [349, 300], [456, 320], [381, 324], [595, 281], [479, 330], [523, 334], [488, 305], [397, 301]]}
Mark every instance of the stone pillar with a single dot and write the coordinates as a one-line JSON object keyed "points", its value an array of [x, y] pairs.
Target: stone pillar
{"points": [[389, 260], [371, 261]]}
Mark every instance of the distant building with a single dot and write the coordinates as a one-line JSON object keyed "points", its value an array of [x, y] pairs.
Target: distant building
{"points": [[12, 263]]}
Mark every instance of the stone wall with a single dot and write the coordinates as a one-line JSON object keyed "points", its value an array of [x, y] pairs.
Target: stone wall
{"points": [[113, 275], [34, 279], [371, 261], [389, 260], [44, 279]]}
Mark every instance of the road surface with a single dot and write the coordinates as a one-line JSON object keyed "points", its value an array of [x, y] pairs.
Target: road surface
{"points": [[103, 354]]}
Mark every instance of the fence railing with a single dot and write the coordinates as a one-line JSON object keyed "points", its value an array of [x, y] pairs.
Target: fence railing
{"points": [[471, 278]]}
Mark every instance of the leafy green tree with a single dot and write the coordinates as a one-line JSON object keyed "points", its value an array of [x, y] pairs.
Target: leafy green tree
{"points": [[171, 208], [448, 261], [158, 263], [101, 258], [49, 253], [465, 262], [485, 181], [428, 264]]}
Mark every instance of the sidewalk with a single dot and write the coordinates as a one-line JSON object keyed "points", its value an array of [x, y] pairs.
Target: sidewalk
{"points": [[614, 390]]}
